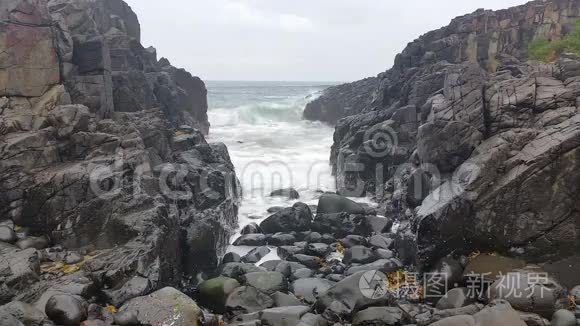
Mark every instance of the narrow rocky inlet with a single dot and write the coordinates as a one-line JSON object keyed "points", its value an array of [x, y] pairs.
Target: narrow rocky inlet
{"points": [[444, 191]]}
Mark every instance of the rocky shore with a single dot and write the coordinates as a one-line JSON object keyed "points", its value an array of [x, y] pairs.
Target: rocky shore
{"points": [[115, 210]]}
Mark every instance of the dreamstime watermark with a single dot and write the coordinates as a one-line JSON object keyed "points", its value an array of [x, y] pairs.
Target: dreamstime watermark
{"points": [[381, 159]]}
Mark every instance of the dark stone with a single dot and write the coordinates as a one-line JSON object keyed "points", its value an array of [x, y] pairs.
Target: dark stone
{"points": [[251, 228], [126, 318], [295, 218], [231, 257], [334, 204], [313, 237], [285, 300], [317, 249], [286, 251], [302, 273], [388, 316], [237, 270], [32, 242], [267, 282], [379, 241], [281, 239], [247, 299], [255, 255], [309, 289], [66, 310], [342, 224], [7, 235], [289, 193], [359, 255], [213, 293], [383, 265], [251, 240], [308, 261]]}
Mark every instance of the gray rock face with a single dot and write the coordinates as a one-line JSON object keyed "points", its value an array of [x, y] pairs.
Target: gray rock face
{"points": [[165, 306], [462, 132], [103, 152]]}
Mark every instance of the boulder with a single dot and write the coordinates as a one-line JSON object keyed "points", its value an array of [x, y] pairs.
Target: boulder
{"points": [[309, 289], [359, 255], [266, 282], [289, 193], [214, 292], [334, 204], [251, 228], [66, 310], [247, 299], [281, 239], [135, 287], [498, 313], [237, 270], [7, 235], [255, 255], [388, 316], [563, 318], [251, 240], [165, 306], [283, 316], [295, 218], [528, 290], [456, 298]]}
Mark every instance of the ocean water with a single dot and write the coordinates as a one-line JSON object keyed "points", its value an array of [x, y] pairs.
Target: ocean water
{"points": [[270, 144]]}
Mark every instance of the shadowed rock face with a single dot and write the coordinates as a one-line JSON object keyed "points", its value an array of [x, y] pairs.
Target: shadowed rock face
{"points": [[102, 152], [495, 134]]}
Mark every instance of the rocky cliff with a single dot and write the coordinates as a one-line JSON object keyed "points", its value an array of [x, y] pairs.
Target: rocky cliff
{"points": [[469, 144], [108, 188]]}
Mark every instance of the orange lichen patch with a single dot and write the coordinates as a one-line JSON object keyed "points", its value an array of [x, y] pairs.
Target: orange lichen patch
{"points": [[58, 267], [396, 279], [339, 248], [572, 302], [320, 261], [110, 308]]}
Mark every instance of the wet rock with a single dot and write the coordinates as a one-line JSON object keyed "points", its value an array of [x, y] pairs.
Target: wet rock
{"points": [[73, 258], [492, 266], [266, 282], [214, 292], [498, 313], [255, 255], [126, 318], [165, 306], [251, 228], [461, 320], [308, 261], [353, 240], [335, 277], [231, 257], [309, 289], [283, 315], [32, 242], [135, 287], [7, 235], [359, 255], [289, 267], [270, 265], [274, 209], [66, 310], [295, 218], [382, 265], [281, 239], [342, 224], [302, 273], [251, 240], [289, 193], [384, 253], [285, 300], [379, 241], [317, 249], [237, 270], [456, 298], [313, 237], [328, 238], [21, 268], [24, 312], [247, 299], [333, 204], [528, 290], [312, 320], [389, 316], [447, 274], [563, 318]]}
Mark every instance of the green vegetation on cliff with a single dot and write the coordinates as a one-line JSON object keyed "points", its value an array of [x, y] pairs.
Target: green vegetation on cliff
{"points": [[548, 51]]}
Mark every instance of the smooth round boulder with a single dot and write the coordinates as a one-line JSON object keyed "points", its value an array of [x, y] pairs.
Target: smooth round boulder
{"points": [[295, 218], [380, 242], [66, 310], [317, 249], [214, 292], [313, 237], [7, 235], [563, 317], [32, 242], [302, 273], [387, 316], [306, 260], [126, 318], [251, 240], [289, 193], [281, 239], [267, 282], [332, 204], [167, 306]]}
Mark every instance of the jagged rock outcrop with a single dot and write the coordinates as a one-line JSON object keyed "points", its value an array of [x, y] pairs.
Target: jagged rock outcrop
{"points": [[472, 144], [105, 174]]}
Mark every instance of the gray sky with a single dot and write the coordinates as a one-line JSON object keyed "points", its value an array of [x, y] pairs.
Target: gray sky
{"points": [[310, 40]]}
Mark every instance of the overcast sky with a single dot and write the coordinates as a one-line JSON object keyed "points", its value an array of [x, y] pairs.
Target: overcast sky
{"points": [[290, 40]]}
